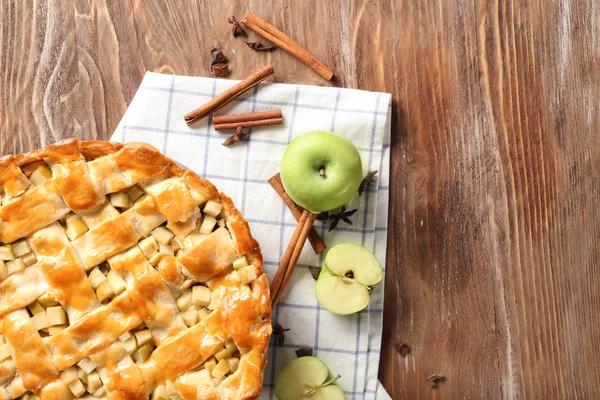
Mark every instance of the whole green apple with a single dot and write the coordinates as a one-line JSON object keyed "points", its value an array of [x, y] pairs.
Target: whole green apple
{"points": [[321, 171], [350, 272]]}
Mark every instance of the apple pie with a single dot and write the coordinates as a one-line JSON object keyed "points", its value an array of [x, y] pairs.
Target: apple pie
{"points": [[125, 276]]}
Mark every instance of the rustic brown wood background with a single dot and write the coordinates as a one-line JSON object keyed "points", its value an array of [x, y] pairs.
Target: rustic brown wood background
{"points": [[494, 247]]}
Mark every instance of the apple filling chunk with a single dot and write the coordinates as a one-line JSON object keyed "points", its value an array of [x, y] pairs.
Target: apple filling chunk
{"points": [[208, 224], [48, 316], [234, 363], [116, 282], [40, 321], [20, 248], [134, 193], [223, 354], [171, 391], [203, 313], [104, 292], [201, 295], [36, 308], [212, 208], [230, 346], [29, 259], [69, 375], [162, 235], [247, 274], [142, 337], [240, 263], [129, 342], [221, 369], [142, 353], [94, 383], [83, 378], [6, 254], [56, 316], [75, 227], [15, 265], [40, 175], [210, 364], [185, 300], [190, 317], [139, 344], [86, 365], [120, 200], [160, 393], [47, 300], [148, 246], [96, 277]]}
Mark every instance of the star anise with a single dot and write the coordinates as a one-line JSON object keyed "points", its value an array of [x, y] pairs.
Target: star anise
{"points": [[343, 215], [279, 331], [260, 46], [239, 135], [219, 70], [323, 216], [237, 29], [315, 272], [218, 65], [368, 180]]}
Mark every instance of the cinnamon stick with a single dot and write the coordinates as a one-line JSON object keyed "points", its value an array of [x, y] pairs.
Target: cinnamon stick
{"points": [[269, 32], [313, 237], [255, 116], [290, 258], [227, 96], [248, 124], [280, 273]]}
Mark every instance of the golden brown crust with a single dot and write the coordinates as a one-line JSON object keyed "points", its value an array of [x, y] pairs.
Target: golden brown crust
{"points": [[63, 152], [92, 149], [142, 160], [30, 212], [12, 178], [30, 355], [94, 328], [211, 257], [71, 177], [124, 379], [197, 183], [63, 273]]}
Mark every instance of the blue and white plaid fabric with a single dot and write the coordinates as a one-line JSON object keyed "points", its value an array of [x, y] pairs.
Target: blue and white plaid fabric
{"points": [[348, 344]]}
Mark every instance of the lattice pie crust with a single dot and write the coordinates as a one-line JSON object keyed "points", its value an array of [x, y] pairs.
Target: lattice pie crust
{"points": [[124, 276]]}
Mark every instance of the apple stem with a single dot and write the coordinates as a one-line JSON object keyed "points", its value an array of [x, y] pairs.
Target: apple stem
{"points": [[322, 172], [331, 381], [312, 390]]}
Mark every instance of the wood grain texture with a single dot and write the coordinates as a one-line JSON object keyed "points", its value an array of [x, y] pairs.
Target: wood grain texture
{"points": [[493, 261]]}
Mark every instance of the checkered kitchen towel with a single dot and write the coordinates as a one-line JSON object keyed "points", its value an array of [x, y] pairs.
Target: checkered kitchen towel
{"points": [[348, 344]]}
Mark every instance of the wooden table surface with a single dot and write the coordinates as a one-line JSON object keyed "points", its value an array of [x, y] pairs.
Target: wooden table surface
{"points": [[494, 252]]}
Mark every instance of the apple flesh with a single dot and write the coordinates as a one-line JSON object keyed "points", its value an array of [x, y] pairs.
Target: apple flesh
{"points": [[307, 378], [321, 171], [350, 272]]}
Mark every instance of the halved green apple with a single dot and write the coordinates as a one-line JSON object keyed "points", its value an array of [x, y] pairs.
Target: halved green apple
{"points": [[350, 272], [307, 378]]}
